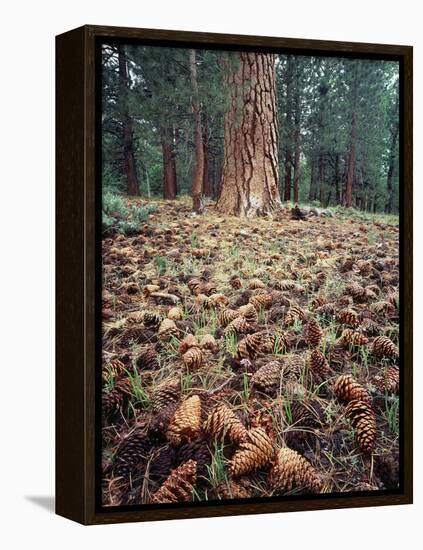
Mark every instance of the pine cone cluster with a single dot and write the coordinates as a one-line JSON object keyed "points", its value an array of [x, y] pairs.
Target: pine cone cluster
{"points": [[226, 316], [292, 471], [178, 486], [197, 450], [186, 423], [222, 422], [384, 347], [238, 326], [232, 489], [132, 452], [348, 389], [255, 452], [249, 312], [363, 419]]}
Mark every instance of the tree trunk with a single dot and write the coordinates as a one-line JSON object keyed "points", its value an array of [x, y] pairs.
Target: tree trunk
{"points": [[337, 188], [169, 164], [198, 177], [127, 130], [207, 188], [250, 178], [312, 190], [322, 181], [391, 168], [287, 188], [297, 122]]}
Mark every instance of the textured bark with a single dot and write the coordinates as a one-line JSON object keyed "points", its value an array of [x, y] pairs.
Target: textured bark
{"points": [[169, 164], [351, 165], [288, 179], [322, 181], [297, 130], [337, 188], [250, 180], [391, 169], [207, 187], [197, 180], [313, 186], [127, 130]]}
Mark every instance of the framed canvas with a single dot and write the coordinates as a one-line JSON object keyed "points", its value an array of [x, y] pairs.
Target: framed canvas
{"points": [[234, 274]]}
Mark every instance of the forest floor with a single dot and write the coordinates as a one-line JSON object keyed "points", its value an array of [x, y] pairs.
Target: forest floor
{"points": [[169, 293]]}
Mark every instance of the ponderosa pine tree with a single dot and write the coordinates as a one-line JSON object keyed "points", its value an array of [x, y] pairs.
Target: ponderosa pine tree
{"points": [[250, 178], [127, 130]]}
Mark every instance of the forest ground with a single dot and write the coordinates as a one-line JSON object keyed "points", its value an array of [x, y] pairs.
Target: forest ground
{"points": [[307, 264]]}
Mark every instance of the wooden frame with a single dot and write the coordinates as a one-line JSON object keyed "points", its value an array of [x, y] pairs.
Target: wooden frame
{"points": [[77, 258]]}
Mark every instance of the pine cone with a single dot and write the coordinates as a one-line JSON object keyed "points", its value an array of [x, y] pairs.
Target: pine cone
{"points": [[339, 357], [115, 367], [256, 283], [193, 358], [295, 313], [268, 378], [363, 419], [235, 282], [175, 313], [196, 285], [249, 312], [226, 316], [390, 380], [250, 346], [167, 329], [185, 424], [352, 337], [307, 413], [318, 365], [187, 342], [357, 292], [326, 311], [369, 327], [179, 485], [198, 451], [347, 389], [161, 464], [232, 489], [348, 317], [222, 422], [261, 301], [238, 326], [209, 343], [313, 333], [151, 319], [384, 347], [147, 359], [132, 452], [255, 452], [292, 471], [164, 394], [116, 398]]}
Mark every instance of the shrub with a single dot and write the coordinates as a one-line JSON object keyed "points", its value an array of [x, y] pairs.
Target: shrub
{"points": [[119, 217]]}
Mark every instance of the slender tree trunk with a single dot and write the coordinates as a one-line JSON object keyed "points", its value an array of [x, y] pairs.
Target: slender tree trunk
{"points": [[351, 165], [337, 188], [322, 181], [207, 190], [127, 130], [391, 169], [169, 164], [312, 190], [288, 173], [198, 177], [250, 177], [297, 130]]}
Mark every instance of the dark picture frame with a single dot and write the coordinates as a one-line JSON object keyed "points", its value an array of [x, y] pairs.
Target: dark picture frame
{"points": [[78, 274]]}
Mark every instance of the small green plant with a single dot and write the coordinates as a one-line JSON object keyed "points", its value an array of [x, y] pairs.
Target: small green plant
{"points": [[161, 264], [245, 387], [392, 412], [216, 472], [186, 383], [194, 240], [141, 397], [231, 343], [118, 216], [288, 410]]}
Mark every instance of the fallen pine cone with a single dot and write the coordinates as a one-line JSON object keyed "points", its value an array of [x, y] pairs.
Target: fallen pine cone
{"points": [[186, 422], [222, 422], [255, 452], [363, 420], [292, 471], [179, 485], [348, 389]]}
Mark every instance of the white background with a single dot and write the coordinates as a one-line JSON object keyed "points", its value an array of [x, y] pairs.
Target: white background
{"points": [[27, 270]]}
